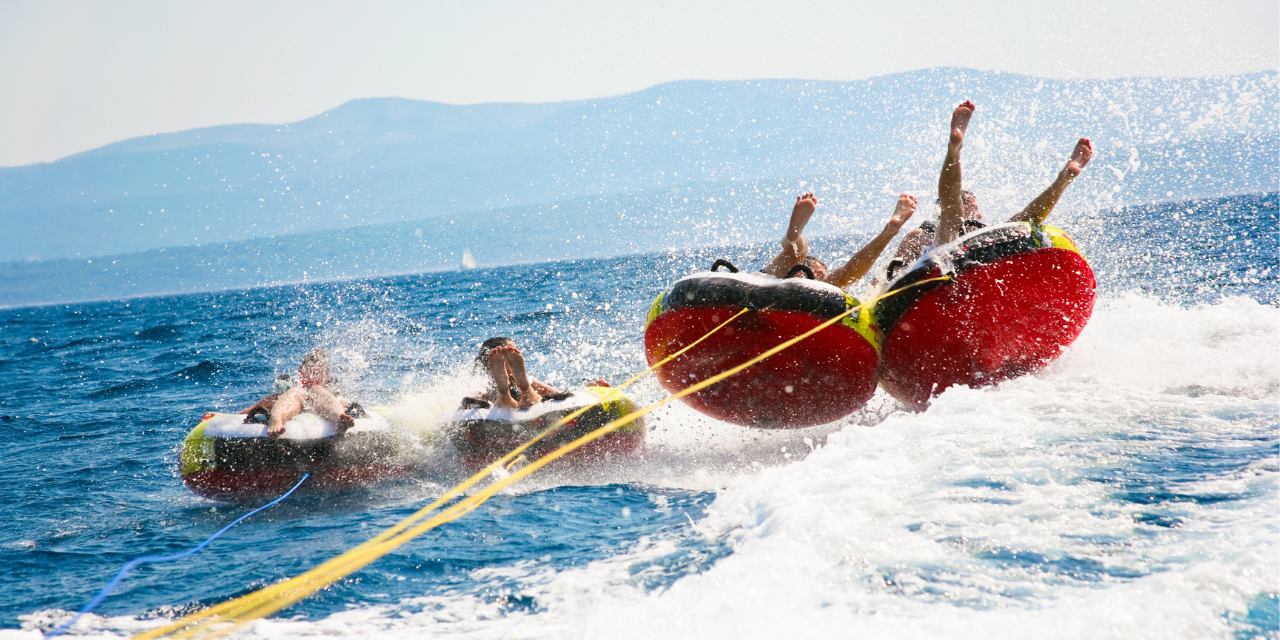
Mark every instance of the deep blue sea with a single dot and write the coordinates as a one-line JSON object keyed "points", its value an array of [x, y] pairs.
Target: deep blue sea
{"points": [[1129, 490]]}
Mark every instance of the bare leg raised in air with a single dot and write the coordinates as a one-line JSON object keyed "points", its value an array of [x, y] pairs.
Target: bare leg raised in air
{"points": [[951, 220], [861, 262], [1042, 206], [795, 248]]}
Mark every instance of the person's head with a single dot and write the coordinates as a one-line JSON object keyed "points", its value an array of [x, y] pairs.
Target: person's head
{"points": [[970, 205], [487, 347], [314, 368], [818, 267]]}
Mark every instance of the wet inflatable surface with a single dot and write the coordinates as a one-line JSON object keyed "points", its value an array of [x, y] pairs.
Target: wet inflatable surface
{"points": [[1018, 298]]}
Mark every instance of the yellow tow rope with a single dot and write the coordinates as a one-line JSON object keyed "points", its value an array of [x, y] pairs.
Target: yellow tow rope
{"points": [[228, 616]]}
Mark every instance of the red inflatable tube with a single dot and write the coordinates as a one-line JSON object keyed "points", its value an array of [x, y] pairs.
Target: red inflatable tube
{"points": [[614, 447], [230, 457], [1020, 295], [822, 378], [481, 434]]}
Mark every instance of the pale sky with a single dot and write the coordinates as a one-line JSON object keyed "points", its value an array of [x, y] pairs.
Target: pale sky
{"points": [[78, 75]]}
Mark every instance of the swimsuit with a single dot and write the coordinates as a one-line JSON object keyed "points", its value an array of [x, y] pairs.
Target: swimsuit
{"points": [[931, 228]]}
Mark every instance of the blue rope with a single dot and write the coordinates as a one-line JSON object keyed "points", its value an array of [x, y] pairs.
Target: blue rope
{"points": [[115, 582]]}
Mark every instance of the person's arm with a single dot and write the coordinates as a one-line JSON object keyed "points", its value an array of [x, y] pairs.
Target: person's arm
{"points": [[861, 262], [794, 245], [909, 250]]}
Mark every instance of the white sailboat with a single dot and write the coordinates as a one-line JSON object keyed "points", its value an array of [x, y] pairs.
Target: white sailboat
{"points": [[468, 262]]}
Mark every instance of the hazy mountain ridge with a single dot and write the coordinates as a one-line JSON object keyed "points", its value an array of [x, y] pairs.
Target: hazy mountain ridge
{"points": [[723, 219], [384, 160]]}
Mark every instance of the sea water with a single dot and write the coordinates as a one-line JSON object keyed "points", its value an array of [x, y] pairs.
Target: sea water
{"points": [[1128, 490]]}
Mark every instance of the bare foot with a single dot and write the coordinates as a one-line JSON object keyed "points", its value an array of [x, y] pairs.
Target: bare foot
{"points": [[800, 214], [960, 123], [345, 422], [275, 430], [500, 353], [902, 213], [1080, 156], [528, 398], [599, 383], [504, 401]]}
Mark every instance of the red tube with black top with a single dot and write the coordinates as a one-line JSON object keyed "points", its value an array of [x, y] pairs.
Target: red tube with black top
{"points": [[1020, 295], [818, 380]]}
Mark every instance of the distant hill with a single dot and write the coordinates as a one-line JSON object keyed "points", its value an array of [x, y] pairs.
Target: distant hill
{"points": [[752, 145], [1112, 238]]}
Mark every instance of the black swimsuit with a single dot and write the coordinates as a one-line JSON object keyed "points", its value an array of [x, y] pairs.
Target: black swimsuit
{"points": [[931, 228]]}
